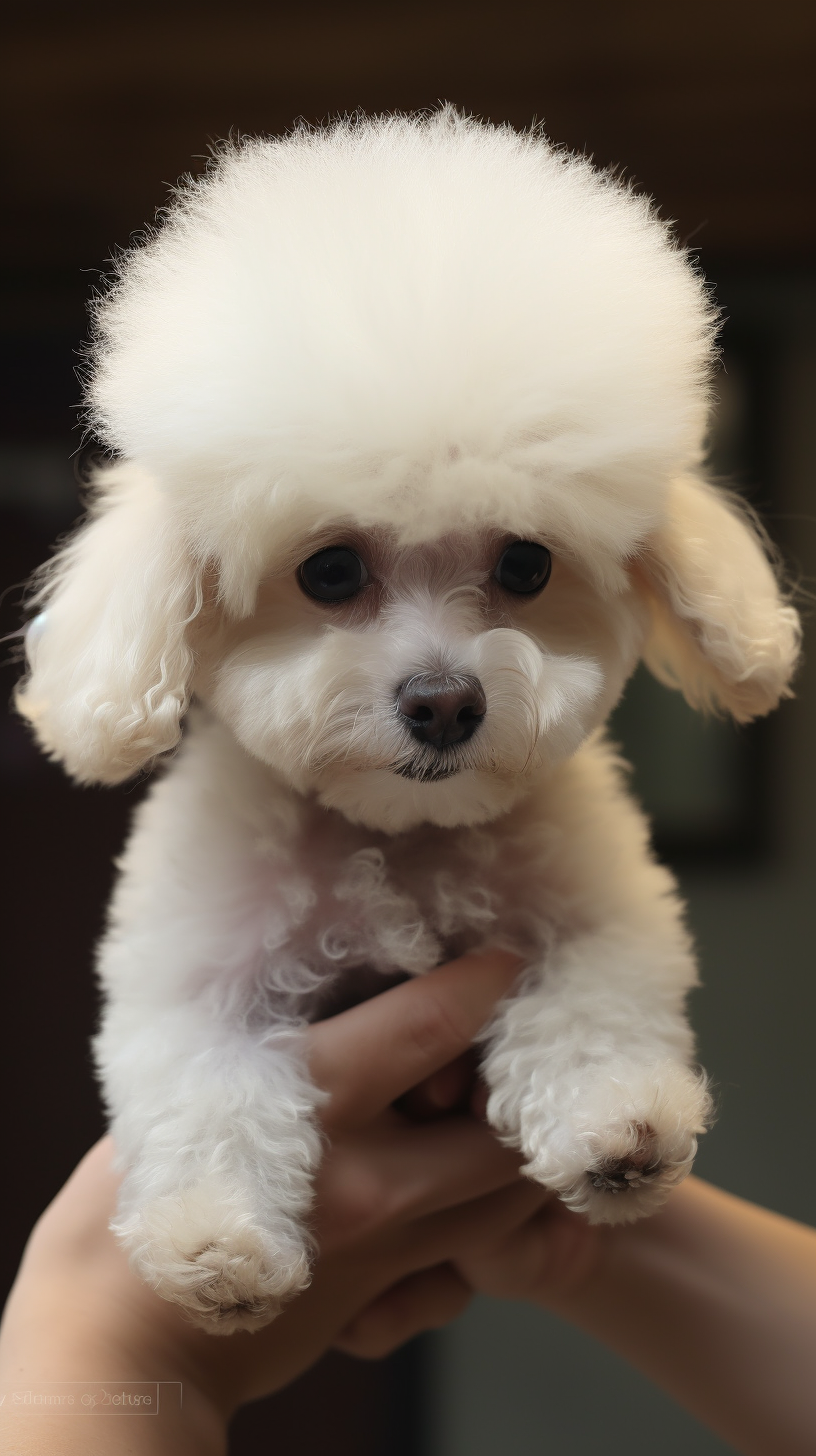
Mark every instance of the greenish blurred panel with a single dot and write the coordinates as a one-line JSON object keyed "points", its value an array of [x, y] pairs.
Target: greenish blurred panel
{"points": [[699, 778]]}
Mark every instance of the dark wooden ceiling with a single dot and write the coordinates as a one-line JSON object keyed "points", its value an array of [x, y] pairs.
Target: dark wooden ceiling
{"points": [[709, 106]]}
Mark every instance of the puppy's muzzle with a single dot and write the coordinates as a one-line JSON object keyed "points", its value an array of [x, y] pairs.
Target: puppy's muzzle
{"points": [[441, 709]]}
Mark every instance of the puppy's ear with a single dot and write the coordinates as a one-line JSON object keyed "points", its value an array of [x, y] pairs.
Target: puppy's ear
{"points": [[109, 663], [721, 630]]}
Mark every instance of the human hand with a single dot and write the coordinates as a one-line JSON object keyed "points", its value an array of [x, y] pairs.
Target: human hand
{"points": [[396, 1200], [712, 1298], [552, 1258]]}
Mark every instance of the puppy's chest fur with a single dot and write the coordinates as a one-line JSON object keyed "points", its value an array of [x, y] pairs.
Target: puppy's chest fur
{"points": [[345, 907]]}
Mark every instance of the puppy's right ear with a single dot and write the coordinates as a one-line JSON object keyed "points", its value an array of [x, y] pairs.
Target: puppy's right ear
{"points": [[722, 630], [109, 663]]}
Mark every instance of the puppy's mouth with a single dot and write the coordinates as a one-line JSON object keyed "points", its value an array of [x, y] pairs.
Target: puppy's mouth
{"points": [[422, 772]]}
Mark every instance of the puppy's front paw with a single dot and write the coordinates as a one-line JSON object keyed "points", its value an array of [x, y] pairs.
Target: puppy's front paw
{"points": [[621, 1143], [204, 1250], [630, 1169]]}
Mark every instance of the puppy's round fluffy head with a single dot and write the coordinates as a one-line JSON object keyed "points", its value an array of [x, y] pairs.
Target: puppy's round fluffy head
{"points": [[423, 323], [418, 339]]}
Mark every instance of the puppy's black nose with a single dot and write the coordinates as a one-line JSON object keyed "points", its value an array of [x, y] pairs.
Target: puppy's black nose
{"points": [[440, 709]]}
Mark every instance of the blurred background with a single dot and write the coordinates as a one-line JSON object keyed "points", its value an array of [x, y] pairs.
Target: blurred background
{"points": [[709, 107]]}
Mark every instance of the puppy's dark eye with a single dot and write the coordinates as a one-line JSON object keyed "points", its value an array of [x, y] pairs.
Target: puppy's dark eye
{"points": [[524, 568], [333, 575]]}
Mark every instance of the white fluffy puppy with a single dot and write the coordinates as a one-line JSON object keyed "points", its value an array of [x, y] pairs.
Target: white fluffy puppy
{"points": [[408, 416]]}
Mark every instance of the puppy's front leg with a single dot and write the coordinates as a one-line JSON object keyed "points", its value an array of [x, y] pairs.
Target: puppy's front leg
{"points": [[213, 1122], [589, 1074]]}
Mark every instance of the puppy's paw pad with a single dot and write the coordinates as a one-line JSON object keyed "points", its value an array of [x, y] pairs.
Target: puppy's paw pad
{"points": [[633, 1169]]}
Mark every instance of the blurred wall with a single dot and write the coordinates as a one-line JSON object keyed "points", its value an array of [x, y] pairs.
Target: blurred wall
{"points": [[707, 106]]}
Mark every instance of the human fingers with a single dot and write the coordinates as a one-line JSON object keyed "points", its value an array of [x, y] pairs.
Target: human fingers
{"points": [[395, 1172], [448, 1236], [360, 1276], [367, 1057], [543, 1258], [349, 1280], [424, 1301], [449, 1089]]}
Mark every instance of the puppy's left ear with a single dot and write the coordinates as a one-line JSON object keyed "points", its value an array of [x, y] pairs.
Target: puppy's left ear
{"points": [[721, 630]]}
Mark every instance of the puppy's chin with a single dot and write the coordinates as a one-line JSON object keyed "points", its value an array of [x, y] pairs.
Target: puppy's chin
{"points": [[384, 800]]}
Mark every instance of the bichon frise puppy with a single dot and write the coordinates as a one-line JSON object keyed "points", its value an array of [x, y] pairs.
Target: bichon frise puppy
{"points": [[408, 417]]}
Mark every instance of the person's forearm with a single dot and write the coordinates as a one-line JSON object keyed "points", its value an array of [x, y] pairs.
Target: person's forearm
{"points": [[44, 1434], [59, 1346], [179, 1420], [67, 1366], [715, 1301]]}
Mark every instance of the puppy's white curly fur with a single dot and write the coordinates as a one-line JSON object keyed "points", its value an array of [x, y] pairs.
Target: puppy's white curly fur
{"points": [[420, 338]]}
